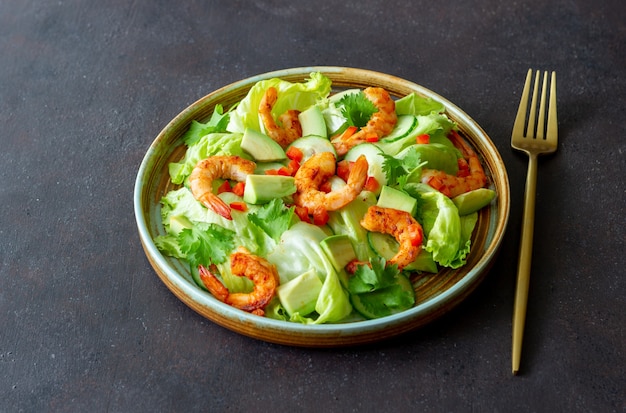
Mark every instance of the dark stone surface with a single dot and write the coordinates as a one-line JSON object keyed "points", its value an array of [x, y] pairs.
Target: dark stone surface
{"points": [[85, 324]]}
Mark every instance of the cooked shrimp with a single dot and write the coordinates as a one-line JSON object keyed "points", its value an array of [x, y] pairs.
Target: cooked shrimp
{"points": [[468, 179], [380, 124], [257, 269], [291, 128], [315, 171], [402, 226], [214, 167]]}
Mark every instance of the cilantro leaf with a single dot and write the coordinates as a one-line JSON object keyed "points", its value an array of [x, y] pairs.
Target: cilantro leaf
{"points": [[376, 276], [357, 108], [206, 244], [378, 290], [381, 303], [403, 170], [274, 218], [412, 159], [393, 168], [217, 123]]}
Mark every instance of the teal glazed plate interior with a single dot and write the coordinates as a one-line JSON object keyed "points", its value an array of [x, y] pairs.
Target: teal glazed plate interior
{"points": [[435, 294]]}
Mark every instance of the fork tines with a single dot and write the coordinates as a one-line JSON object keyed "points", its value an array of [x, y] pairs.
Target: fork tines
{"points": [[525, 124]]}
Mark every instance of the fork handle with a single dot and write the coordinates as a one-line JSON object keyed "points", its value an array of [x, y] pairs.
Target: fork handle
{"points": [[525, 258]]}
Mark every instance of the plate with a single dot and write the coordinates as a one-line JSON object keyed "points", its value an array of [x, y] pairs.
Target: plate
{"points": [[436, 294]]}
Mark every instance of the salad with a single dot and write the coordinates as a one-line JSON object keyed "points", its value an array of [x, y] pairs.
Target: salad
{"points": [[309, 206]]}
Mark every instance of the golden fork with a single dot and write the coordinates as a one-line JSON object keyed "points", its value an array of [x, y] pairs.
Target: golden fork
{"points": [[534, 139]]}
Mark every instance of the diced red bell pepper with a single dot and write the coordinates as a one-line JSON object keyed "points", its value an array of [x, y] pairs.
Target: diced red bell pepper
{"points": [[423, 138], [343, 169], [239, 206], [303, 214], [239, 188], [295, 154], [416, 234], [293, 166], [225, 187], [320, 216], [348, 132], [371, 184], [325, 187]]}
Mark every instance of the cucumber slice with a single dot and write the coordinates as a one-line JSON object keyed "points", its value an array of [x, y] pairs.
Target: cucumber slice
{"points": [[195, 275], [383, 245], [404, 126], [375, 161], [386, 246], [311, 145]]}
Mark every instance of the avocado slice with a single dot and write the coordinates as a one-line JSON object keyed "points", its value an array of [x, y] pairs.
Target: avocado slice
{"points": [[339, 250], [474, 200], [312, 122], [396, 199], [179, 223], [261, 189], [300, 294], [261, 147]]}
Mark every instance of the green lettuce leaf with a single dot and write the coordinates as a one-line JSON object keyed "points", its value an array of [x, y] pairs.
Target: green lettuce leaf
{"points": [[414, 104], [217, 123], [181, 203], [207, 145], [446, 240], [435, 156], [297, 96]]}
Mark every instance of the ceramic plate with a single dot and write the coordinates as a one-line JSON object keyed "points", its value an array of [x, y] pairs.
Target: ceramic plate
{"points": [[436, 294]]}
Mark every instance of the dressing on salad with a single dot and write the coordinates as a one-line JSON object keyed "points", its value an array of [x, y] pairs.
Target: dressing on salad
{"points": [[306, 206]]}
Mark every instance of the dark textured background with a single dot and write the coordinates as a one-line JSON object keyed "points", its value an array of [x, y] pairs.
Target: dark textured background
{"points": [[85, 324]]}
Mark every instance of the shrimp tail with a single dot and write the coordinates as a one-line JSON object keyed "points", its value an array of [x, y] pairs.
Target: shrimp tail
{"points": [[358, 174], [212, 284], [216, 204]]}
